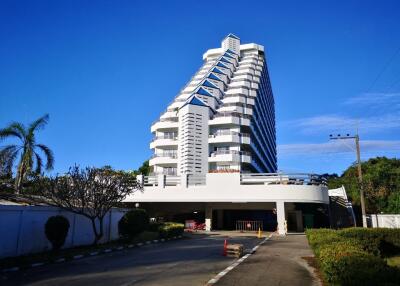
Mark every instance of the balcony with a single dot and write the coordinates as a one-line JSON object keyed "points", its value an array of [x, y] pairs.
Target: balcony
{"points": [[163, 141], [164, 159], [165, 123], [224, 136], [230, 156], [227, 118]]}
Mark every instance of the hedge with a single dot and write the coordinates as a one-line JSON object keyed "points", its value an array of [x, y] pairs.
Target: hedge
{"points": [[171, 229], [56, 230], [132, 223], [355, 256]]}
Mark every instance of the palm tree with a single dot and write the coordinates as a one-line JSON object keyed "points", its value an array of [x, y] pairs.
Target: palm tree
{"points": [[29, 158]]}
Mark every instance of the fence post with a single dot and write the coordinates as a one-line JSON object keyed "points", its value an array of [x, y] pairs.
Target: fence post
{"points": [[184, 180], [161, 181], [140, 179]]}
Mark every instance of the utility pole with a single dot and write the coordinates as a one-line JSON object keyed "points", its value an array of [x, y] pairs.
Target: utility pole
{"points": [[357, 140]]}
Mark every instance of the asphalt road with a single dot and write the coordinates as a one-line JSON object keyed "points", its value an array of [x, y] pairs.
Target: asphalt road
{"points": [[191, 261], [279, 261]]}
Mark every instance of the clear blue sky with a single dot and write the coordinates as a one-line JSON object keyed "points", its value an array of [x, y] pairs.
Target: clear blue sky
{"points": [[104, 70]]}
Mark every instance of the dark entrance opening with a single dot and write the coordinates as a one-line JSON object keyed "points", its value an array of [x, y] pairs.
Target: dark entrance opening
{"points": [[229, 218]]}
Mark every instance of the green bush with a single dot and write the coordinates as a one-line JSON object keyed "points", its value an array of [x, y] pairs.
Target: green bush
{"points": [[353, 256], [56, 230], [133, 223], [171, 229], [154, 226]]}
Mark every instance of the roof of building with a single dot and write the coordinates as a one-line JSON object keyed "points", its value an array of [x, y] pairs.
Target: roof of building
{"points": [[217, 71], [225, 60], [228, 55], [194, 100], [230, 35], [213, 76], [221, 65], [209, 84], [204, 92]]}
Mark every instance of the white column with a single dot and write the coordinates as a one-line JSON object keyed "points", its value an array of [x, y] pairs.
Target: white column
{"points": [[280, 215], [208, 214], [184, 180], [140, 179], [374, 220], [161, 181]]}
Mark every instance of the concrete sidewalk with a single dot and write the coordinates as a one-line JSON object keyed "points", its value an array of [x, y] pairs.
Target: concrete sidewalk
{"points": [[278, 262]]}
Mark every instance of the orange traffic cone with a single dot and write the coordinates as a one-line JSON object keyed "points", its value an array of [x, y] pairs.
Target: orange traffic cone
{"points": [[225, 247]]}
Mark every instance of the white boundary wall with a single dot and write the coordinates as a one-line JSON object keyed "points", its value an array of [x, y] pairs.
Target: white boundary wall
{"points": [[384, 220], [22, 229]]}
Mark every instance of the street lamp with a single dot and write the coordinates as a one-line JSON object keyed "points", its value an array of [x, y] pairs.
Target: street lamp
{"points": [[357, 140]]}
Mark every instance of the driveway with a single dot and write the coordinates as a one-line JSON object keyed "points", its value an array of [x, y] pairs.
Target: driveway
{"points": [[277, 262], [190, 261]]}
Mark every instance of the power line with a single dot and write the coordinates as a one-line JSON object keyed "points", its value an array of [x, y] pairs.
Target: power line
{"points": [[383, 70]]}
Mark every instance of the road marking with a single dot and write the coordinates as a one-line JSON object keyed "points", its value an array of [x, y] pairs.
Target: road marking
{"points": [[236, 263], [11, 269], [37, 264]]}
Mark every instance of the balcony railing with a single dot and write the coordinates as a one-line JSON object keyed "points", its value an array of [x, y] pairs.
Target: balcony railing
{"points": [[227, 132], [225, 152], [189, 180], [231, 114], [172, 137], [281, 178], [169, 119], [165, 155]]}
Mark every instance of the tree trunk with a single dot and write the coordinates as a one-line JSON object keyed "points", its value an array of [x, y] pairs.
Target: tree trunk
{"points": [[18, 178], [98, 234]]}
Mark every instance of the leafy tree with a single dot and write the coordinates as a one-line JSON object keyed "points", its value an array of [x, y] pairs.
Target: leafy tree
{"points": [[145, 169], [381, 182], [90, 192], [29, 158]]}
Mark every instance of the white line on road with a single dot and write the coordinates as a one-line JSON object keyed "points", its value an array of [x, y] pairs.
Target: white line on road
{"points": [[236, 263]]}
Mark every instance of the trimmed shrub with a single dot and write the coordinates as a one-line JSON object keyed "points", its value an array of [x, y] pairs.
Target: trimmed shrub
{"points": [[154, 226], [353, 256], [133, 223], [346, 265], [171, 229], [56, 230]]}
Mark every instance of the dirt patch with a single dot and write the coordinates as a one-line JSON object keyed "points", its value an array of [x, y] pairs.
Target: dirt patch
{"points": [[312, 262]]}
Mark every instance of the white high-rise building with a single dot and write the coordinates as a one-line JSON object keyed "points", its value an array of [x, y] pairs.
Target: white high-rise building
{"points": [[223, 120], [214, 156]]}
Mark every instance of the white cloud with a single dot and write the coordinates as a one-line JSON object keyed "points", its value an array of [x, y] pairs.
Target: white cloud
{"points": [[337, 123], [339, 146], [377, 99]]}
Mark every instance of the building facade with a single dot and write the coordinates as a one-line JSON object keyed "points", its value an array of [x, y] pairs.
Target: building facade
{"points": [[214, 155], [223, 120]]}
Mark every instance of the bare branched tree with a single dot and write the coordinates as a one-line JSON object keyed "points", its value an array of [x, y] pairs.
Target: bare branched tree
{"points": [[90, 192]]}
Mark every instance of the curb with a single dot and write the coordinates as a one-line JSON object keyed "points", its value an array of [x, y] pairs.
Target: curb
{"points": [[236, 263], [91, 254]]}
